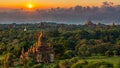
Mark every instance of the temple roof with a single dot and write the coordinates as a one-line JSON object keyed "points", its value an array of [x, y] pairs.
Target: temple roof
{"points": [[41, 39]]}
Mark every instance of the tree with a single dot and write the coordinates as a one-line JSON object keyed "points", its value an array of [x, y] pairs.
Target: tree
{"points": [[80, 64], [59, 50], [108, 53], [115, 52], [2, 48], [69, 54], [69, 44], [64, 64], [54, 33], [30, 62], [83, 51]]}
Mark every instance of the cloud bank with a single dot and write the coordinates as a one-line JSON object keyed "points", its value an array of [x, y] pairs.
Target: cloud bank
{"points": [[107, 13]]}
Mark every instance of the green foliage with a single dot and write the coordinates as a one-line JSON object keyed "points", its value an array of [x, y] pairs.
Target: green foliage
{"points": [[92, 64], [80, 64], [59, 50], [18, 66], [74, 60], [118, 42], [69, 54], [68, 62], [70, 41], [108, 53], [117, 65], [2, 48], [53, 33], [83, 51], [37, 66], [30, 62], [115, 52], [64, 64], [51, 65], [69, 44], [103, 66], [99, 64]]}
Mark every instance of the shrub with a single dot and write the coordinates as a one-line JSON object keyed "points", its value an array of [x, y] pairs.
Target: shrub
{"points": [[80, 64], [99, 64], [103, 66], [37, 66], [18, 66], [108, 53], [118, 65], [74, 60], [30, 62], [64, 64], [68, 54]]}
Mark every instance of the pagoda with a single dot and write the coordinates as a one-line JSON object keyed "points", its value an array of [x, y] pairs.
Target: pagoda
{"points": [[41, 52], [113, 24], [89, 22]]}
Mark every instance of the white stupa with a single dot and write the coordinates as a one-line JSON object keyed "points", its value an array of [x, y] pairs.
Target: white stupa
{"points": [[25, 29]]}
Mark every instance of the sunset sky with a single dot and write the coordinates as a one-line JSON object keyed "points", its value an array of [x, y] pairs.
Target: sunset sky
{"points": [[52, 3], [70, 11]]}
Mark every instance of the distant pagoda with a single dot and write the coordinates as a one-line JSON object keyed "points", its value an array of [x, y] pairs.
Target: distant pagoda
{"points": [[25, 29], [41, 52], [89, 22], [113, 24]]}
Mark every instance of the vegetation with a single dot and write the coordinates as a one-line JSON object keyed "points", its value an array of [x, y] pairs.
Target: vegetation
{"points": [[75, 46]]}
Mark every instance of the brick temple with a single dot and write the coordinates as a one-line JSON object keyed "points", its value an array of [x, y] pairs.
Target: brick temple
{"points": [[40, 52]]}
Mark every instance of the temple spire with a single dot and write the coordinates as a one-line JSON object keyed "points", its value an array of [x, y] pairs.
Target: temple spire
{"points": [[41, 53], [41, 39]]}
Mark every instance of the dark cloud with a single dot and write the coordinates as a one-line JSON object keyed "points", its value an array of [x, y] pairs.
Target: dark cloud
{"points": [[107, 13]]}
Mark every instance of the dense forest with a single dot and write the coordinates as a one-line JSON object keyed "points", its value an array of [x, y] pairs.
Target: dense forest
{"points": [[73, 44]]}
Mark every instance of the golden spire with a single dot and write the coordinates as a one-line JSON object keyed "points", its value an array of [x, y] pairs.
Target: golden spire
{"points": [[41, 39]]}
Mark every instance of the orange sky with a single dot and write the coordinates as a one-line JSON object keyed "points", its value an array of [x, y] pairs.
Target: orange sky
{"points": [[52, 3]]}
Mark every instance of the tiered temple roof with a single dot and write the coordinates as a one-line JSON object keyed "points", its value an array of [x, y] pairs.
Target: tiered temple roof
{"points": [[41, 52]]}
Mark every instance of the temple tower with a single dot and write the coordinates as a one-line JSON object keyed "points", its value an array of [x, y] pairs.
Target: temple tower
{"points": [[41, 52], [45, 53]]}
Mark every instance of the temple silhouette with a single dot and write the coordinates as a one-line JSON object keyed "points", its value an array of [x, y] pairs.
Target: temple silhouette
{"points": [[40, 52]]}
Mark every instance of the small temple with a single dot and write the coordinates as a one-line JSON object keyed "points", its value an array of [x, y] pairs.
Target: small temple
{"points": [[25, 29], [89, 22], [40, 52], [113, 24]]}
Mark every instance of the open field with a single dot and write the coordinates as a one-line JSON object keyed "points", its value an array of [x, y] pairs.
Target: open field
{"points": [[114, 60]]}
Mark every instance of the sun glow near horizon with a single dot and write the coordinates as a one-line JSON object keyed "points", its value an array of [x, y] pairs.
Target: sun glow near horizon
{"points": [[30, 5], [46, 4]]}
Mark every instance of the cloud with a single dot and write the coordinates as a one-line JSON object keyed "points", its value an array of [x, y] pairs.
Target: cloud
{"points": [[107, 13]]}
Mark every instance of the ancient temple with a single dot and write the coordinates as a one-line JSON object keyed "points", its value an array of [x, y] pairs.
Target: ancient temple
{"points": [[89, 22], [25, 29], [40, 52], [113, 24]]}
